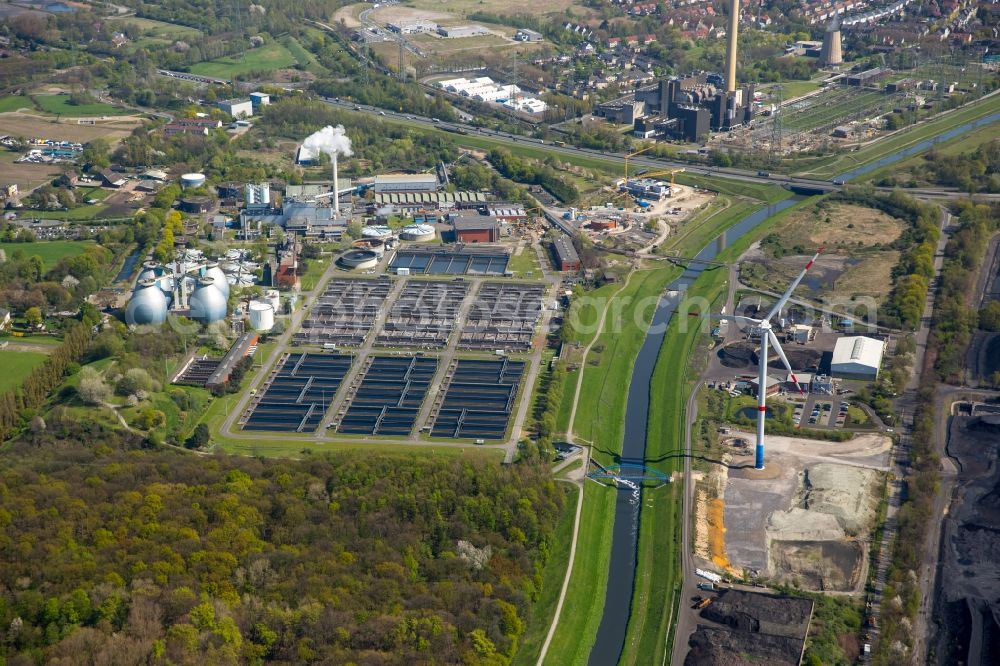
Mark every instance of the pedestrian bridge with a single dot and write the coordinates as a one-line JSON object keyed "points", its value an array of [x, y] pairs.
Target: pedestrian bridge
{"points": [[629, 474]]}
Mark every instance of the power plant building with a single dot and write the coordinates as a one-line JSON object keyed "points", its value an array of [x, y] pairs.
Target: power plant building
{"points": [[690, 107], [416, 182]]}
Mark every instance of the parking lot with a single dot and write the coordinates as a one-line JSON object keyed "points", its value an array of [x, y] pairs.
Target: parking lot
{"points": [[820, 411]]}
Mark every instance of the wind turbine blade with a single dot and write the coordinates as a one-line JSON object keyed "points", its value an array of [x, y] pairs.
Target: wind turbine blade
{"points": [[784, 359], [788, 293], [739, 318]]}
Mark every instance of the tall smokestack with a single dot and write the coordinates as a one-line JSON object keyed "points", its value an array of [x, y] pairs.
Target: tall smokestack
{"points": [[336, 188], [734, 25], [333, 141]]}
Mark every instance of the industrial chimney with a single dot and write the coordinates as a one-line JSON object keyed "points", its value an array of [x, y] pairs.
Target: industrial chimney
{"points": [[734, 24], [336, 188]]}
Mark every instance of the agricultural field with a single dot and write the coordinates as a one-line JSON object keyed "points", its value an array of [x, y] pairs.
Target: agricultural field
{"points": [[265, 58], [25, 176], [59, 105], [36, 126], [17, 365], [50, 251], [857, 259]]}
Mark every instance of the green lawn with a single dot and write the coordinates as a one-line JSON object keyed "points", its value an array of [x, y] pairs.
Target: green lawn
{"points": [[303, 57], [551, 580], [59, 105], [762, 191], [50, 251], [15, 102], [17, 365], [265, 58], [794, 89], [584, 602], [525, 264], [78, 214]]}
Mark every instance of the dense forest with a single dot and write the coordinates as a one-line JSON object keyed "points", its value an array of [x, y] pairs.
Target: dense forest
{"points": [[117, 557]]}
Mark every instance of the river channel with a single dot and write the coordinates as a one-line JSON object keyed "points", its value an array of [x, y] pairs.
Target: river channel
{"points": [[625, 536]]}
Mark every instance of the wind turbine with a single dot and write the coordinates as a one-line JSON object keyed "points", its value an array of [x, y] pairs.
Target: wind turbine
{"points": [[767, 337]]}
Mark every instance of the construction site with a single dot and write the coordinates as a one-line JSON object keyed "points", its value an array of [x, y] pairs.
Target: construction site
{"points": [[805, 519]]}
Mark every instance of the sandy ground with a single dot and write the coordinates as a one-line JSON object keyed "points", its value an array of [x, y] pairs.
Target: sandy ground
{"points": [[808, 492], [348, 15]]}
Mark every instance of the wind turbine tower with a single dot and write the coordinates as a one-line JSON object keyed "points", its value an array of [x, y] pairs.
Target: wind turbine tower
{"points": [[769, 339]]}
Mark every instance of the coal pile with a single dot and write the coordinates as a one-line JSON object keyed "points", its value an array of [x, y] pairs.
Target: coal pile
{"points": [[968, 589], [738, 355], [748, 628]]}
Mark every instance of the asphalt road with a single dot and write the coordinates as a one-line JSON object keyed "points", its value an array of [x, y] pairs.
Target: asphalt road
{"points": [[745, 175]]}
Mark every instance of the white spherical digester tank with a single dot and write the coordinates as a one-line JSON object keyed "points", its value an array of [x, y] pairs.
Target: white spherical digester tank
{"points": [[261, 316], [207, 302], [213, 271], [148, 305]]}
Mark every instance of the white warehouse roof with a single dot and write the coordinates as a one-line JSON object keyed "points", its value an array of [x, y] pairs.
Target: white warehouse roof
{"points": [[857, 355]]}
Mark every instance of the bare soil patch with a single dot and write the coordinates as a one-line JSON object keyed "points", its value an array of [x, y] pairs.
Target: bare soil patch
{"points": [[66, 129]]}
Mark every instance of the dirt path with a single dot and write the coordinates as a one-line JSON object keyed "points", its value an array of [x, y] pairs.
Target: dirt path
{"points": [[586, 463]]}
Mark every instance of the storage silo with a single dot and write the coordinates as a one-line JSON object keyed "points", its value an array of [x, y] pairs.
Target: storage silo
{"points": [[192, 180], [418, 232], [261, 316], [274, 298], [207, 303], [213, 271], [148, 305]]}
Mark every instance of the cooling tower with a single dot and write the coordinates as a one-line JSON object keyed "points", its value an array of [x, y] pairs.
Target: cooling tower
{"points": [[831, 53]]}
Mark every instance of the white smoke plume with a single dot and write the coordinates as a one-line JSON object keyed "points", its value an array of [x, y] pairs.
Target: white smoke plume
{"points": [[330, 140]]}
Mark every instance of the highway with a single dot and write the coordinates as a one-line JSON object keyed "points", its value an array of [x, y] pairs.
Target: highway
{"points": [[465, 129]]}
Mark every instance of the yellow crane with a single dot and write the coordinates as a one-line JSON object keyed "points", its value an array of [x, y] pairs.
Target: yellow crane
{"points": [[638, 152], [665, 172]]}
